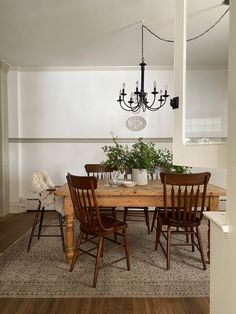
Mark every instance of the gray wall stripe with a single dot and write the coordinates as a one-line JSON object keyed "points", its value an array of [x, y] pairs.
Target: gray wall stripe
{"points": [[88, 140]]}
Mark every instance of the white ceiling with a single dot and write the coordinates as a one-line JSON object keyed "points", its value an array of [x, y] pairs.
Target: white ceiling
{"points": [[106, 32]]}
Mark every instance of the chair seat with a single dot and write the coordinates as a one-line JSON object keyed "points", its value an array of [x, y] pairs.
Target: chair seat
{"points": [[175, 223], [108, 223]]}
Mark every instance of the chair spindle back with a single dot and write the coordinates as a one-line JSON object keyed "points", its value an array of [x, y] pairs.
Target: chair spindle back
{"points": [[188, 196], [82, 190], [97, 170]]}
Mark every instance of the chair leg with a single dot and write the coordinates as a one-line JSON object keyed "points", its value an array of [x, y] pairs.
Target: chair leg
{"points": [[99, 253], [114, 217], [201, 247], [76, 251], [125, 213], [187, 235], [103, 247], [62, 232], [154, 219], [158, 231], [127, 249], [168, 246], [192, 240], [147, 219], [41, 222], [114, 212], [35, 221]]}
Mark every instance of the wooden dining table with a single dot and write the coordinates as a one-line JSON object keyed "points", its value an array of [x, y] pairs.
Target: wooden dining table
{"points": [[150, 195]]}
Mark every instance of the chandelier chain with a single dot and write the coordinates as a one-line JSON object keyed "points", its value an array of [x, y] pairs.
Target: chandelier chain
{"points": [[190, 39], [142, 43]]}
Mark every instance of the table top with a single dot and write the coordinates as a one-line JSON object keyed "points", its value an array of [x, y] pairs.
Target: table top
{"points": [[153, 188]]}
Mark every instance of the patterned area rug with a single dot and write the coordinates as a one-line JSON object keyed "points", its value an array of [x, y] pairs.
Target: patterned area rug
{"points": [[44, 273]]}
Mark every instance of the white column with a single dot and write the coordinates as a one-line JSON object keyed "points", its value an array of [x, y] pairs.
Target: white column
{"points": [[209, 156], [179, 77], [223, 257], [4, 150]]}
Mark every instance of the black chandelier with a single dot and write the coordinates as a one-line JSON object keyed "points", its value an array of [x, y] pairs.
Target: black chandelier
{"points": [[138, 99]]}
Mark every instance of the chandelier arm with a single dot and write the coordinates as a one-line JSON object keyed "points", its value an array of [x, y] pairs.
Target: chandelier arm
{"points": [[156, 108], [135, 108], [125, 108], [154, 99], [128, 107]]}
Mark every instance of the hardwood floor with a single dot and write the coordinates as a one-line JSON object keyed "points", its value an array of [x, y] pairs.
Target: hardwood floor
{"points": [[105, 306], [15, 225], [12, 227]]}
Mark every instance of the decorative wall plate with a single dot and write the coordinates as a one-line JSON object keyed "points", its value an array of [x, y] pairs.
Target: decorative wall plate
{"points": [[136, 123]]}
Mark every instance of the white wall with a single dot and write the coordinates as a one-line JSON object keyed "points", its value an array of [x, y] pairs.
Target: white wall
{"points": [[48, 109], [207, 102], [83, 104], [58, 159]]}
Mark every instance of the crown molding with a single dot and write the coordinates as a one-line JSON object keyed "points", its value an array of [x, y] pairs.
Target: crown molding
{"points": [[112, 68], [4, 66], [88, 68]]}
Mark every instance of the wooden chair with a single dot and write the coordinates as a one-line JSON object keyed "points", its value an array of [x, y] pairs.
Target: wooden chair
{"points": [[100, 171], [82, 190], [188, 195], [130, 214]]}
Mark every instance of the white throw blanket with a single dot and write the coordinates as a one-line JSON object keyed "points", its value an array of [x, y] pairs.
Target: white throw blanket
{"points": [[41, 182]]}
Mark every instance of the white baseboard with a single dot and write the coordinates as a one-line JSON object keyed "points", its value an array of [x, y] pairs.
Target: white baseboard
{"points": [[15, 208]]}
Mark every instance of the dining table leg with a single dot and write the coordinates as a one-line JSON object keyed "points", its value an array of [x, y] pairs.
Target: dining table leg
{"points": [[213, 206], [69, 236]]}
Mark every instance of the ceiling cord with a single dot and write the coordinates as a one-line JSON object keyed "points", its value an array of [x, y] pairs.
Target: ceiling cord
{"points": [[190, 39]]}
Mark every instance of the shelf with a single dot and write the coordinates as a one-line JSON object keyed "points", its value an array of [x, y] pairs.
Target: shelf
{"points": [[218, 218]]}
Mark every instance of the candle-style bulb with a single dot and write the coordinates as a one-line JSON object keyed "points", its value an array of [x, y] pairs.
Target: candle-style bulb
{"points": [[136, 84], [166, 87], [161, 92], [123, 85], [155, 84]]}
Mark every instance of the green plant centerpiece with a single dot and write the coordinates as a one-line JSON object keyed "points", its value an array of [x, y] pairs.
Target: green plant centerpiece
{"points": [[142, 156], [142, 161], [164, 161], [118, 156]]}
